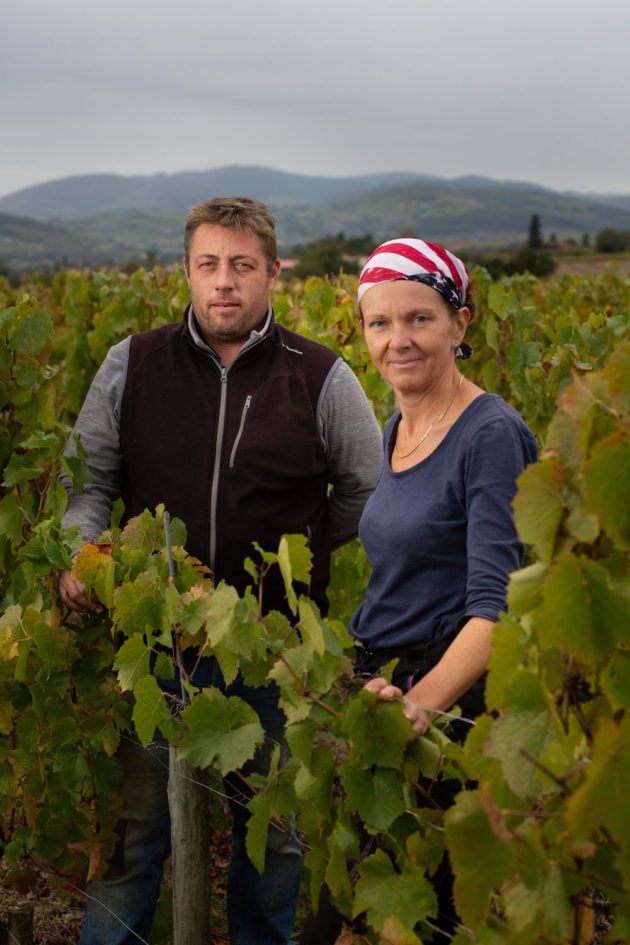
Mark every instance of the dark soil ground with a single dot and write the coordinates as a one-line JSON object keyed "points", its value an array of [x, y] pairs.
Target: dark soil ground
{"points": [[58, 911]]}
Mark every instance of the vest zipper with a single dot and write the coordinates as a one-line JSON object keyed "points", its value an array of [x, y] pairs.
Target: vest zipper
{"points": [[214, 489], [246, 406]]}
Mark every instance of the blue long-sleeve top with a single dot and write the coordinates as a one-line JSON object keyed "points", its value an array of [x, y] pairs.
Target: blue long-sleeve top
{"points": [[440, 536]]}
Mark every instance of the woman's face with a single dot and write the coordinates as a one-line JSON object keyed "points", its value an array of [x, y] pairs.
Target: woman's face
{"points": [[411, 333]]}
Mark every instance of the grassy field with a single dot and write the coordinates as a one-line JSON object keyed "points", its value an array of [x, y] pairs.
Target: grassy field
{"points": [[593, 264]]}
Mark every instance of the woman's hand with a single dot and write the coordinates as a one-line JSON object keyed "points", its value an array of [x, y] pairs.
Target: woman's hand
{"points": [[418, 716], [74, 595], [463, 663]]}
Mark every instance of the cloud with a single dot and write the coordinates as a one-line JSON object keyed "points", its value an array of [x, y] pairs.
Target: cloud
{"points": [[531, 89]]}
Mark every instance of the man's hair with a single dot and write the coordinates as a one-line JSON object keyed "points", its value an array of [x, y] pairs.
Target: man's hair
{"points": [[235, 213]]}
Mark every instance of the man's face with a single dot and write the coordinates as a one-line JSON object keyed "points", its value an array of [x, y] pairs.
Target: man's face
{"points": [[229, 280]]}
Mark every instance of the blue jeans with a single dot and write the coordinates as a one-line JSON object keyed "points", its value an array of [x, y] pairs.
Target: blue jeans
{"points": [[261, 908]]}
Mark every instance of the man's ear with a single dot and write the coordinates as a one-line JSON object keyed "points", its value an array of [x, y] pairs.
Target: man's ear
{"points": [[275, 271]]}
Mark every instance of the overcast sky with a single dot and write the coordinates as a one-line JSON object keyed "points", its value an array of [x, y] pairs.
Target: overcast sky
{"points": [[535, 90]]}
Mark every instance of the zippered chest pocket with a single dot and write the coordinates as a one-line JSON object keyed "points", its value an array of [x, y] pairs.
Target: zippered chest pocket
{"points": [[241, 427]]}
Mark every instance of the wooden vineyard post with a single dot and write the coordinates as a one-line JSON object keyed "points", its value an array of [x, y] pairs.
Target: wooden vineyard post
{"points": [[190, 839]]}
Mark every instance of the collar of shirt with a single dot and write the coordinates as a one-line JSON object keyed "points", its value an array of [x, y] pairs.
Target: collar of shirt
{"points": [[200, 342]]}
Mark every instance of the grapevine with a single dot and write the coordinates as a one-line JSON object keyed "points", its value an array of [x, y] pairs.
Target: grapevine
{"points": [[540, 820]]}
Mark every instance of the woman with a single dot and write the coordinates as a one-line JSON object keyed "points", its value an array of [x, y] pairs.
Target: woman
{"points": [[438, 529]]}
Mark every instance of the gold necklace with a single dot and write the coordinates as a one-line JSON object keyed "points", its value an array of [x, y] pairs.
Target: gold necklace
{"points": [[431, 425]]}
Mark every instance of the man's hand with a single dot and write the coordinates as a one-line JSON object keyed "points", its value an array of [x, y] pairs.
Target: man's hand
{"points": [[74, 595]]}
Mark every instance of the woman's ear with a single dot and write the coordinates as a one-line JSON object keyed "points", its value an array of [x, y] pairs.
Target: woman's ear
{"points": [[462, 321]]}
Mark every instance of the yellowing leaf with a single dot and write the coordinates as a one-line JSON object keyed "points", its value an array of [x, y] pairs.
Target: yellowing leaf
{"points": [[294, 560], [539, 506], [616, 374], [594, 806], [94, 567], [606, 480], [311, 627], [525, 588], [583, 612], [395, 933], [468, 828]]}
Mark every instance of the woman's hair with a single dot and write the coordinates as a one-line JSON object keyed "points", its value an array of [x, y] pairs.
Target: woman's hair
{"points": [[469, 302], [234, 213]]}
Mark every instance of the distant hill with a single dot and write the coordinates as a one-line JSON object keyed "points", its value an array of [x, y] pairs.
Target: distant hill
{"points": [[29, 244], [75, 198], [102, 219]]}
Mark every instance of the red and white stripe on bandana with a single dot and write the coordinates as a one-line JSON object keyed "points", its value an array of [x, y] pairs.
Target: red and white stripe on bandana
{"points": [[418, 261]]}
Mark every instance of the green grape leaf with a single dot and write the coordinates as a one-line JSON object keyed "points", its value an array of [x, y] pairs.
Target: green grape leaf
{"points": [[383, 891], [314, 785], [11, 518], [146, 532], [614, 680], [78, 472], [32, 333], [585, 528], [508, 656], [257, 829], [379, 797], [378, 730], [528, 740], [141, 604], [221, 730], [150, 712], [132, 661], [544, 908], [300, 737], [20, 469]]}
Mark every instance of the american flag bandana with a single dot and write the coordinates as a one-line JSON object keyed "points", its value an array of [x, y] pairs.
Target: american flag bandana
{"points": [[417, 261]]}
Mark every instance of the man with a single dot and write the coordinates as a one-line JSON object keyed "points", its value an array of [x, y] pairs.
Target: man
{"points": [[246, 431]]}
